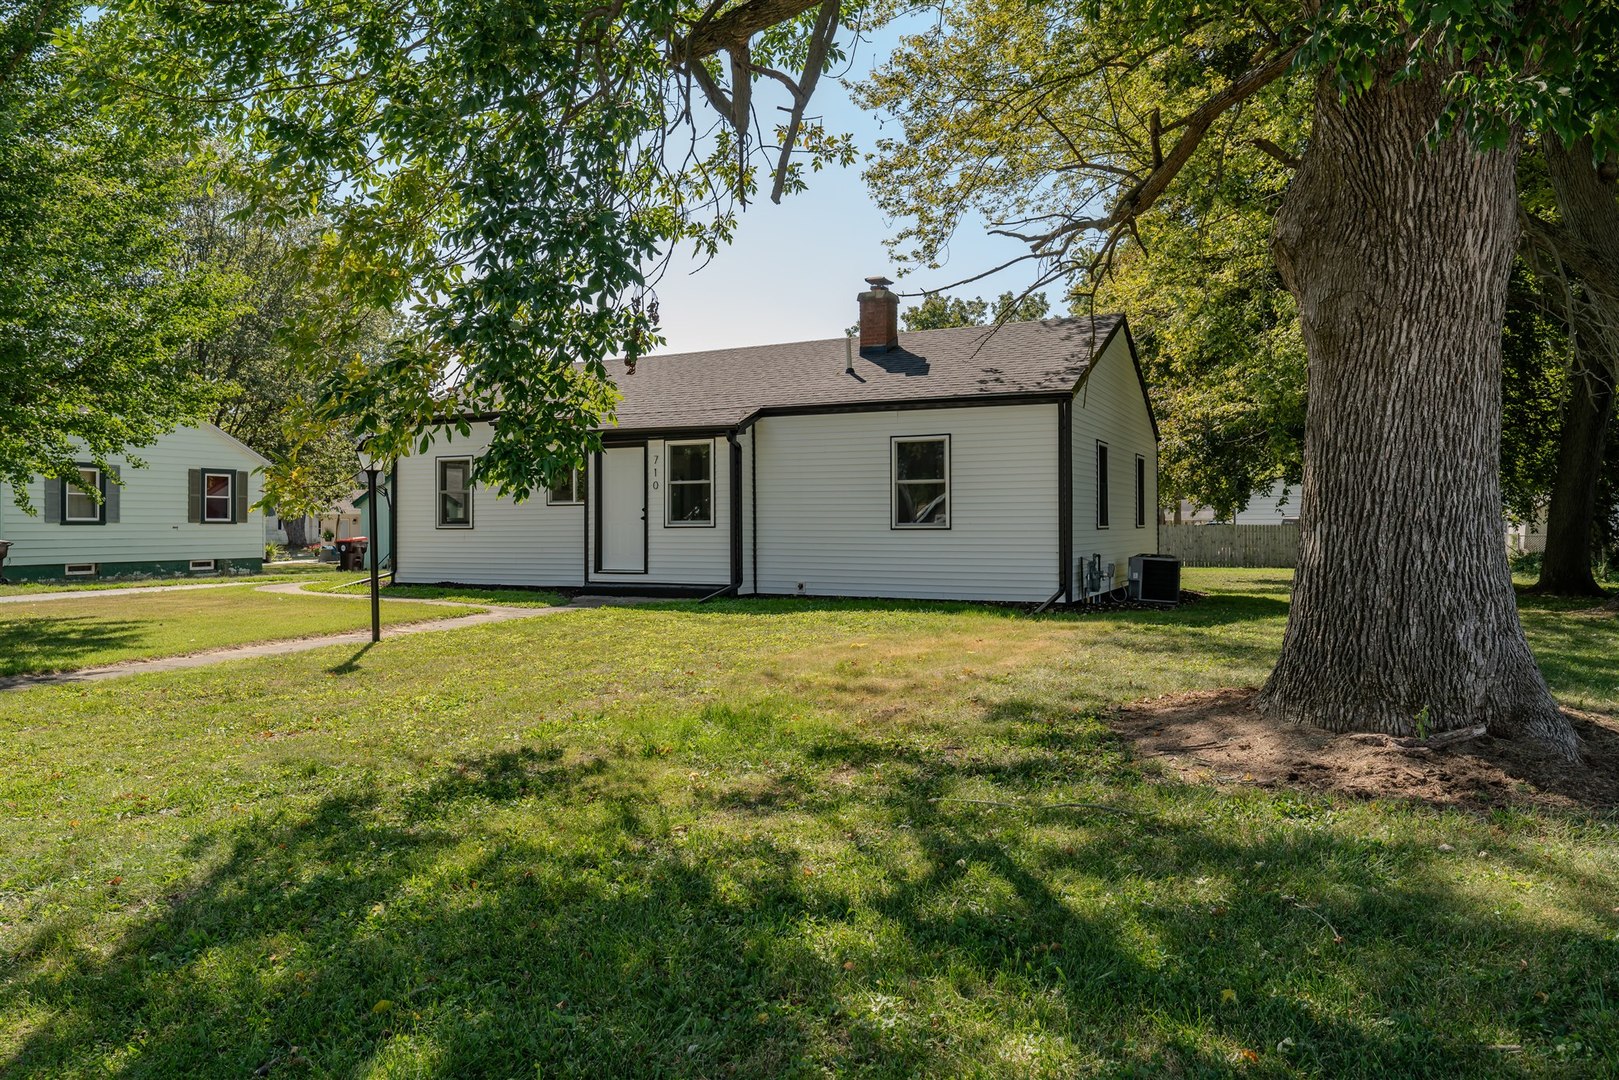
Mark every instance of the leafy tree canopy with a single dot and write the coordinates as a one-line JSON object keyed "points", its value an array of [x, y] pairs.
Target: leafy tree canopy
{"points": [[937, 311], [97, 301], [507, 172]]}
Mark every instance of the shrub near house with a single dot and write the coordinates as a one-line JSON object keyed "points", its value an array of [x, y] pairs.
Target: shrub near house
{"points": [[180, 506]]}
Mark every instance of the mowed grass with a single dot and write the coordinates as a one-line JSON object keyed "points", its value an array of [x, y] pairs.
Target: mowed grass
{"points": [[732, 840], [312, 573], [463, 594], [66, 635]]}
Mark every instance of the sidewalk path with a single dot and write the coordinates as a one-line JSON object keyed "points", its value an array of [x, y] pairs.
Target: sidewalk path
{"points": [[80, 594], [489, 613]]}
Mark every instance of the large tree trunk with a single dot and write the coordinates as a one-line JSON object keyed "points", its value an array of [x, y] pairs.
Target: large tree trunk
{"points": [[1587, 239], [1565, 569], [1398, 253], [297, 534]]}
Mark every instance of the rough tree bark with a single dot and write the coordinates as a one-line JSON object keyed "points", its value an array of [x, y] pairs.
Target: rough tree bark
{"points": [[1398, 253], [297, 534], [1565, 568]]}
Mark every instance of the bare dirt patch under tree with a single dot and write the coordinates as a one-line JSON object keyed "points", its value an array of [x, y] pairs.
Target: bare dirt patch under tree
{"points": [[1218, 736]]}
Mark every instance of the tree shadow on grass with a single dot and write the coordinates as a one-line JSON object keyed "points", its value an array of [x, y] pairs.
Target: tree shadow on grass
{"points": [[530, 911], [61, 643]]}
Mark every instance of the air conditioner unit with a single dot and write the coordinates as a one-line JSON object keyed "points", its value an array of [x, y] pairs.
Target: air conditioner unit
{"points": [[1155, 579]]}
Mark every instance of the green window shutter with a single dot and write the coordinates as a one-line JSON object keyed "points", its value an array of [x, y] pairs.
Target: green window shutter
{"points": [[53, 501], [241, 497], [194, 495], [112, 491]]}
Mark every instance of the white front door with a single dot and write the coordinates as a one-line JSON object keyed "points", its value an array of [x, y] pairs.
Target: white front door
{"points": [[621, 540]]}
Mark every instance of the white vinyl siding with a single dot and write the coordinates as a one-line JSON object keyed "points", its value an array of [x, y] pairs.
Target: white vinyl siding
{"points": [[152, 523], [825, 505], [1109, 408], [528, 543]]}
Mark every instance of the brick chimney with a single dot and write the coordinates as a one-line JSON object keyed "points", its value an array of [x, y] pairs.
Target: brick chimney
{"points": [[879, 316]]}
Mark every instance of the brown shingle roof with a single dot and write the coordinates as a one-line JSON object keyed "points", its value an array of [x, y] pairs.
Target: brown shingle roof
{"points": [[721, 388]]}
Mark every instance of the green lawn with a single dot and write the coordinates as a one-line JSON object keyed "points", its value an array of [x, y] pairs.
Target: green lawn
{"points": [[65, 635], [316, 574], [704, 841], [467, 594]]}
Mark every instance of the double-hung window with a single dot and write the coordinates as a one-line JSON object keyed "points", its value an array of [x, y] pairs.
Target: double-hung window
{"points": [[921, 471], [1101, 485], [691, 483], [218, 501], [569, 490], [455, 493], [79, 507], [1141, 492]]}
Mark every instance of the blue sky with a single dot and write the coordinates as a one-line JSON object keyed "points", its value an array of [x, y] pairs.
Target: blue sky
{"points": [[793, 271]]}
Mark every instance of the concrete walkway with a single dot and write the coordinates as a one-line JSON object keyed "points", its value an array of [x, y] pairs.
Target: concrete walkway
{"points": [[490, 613], [82, 594]]}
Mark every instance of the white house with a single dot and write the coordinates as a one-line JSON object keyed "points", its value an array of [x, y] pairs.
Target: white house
{"points": [[1274, 504], [185, 509], [1016, 464]]}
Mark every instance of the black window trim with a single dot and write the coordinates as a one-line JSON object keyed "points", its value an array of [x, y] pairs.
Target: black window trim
{"points": [[578, 484], [1104, 493], [202, 497], [69, 487], [669, 485], [894, 524], [1141, 492], [438, 491]]}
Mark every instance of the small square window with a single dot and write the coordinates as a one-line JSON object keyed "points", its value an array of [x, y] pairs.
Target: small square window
{"points": [[921, 470], [80, 506], [568, 491], [455, 493], [218, 508]]}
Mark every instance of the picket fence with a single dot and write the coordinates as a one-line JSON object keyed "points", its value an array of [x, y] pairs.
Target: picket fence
{"points": [[1231, 545]]}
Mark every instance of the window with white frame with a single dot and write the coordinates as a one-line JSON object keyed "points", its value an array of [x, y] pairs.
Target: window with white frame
{"points": [[455, 493], [691, 483], [79, 506], [1141, 492], [1101, 485], [921, 471], [568, 490], [203, 566], [79, 569], [218, 501]]}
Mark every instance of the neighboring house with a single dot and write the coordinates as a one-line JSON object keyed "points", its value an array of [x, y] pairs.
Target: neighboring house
{"points": [[281, 530], [1270, 505], [187, 509], [1527, 537], [1015, 464], [383, 539], [343, 519]]}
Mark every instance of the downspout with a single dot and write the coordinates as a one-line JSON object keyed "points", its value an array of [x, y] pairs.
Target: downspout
{"points": [[393, 523], [1065, 498], [753, 499], [736, 510]]}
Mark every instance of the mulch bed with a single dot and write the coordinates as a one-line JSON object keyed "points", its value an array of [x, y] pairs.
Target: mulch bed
{"points": [[1218, 737]]}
